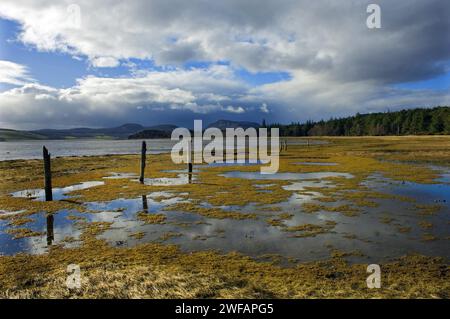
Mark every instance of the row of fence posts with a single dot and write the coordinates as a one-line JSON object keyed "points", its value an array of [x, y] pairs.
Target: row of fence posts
{"points": [[49, 191], [48, 170], [144, 160], [48, 178], [284, 145]]}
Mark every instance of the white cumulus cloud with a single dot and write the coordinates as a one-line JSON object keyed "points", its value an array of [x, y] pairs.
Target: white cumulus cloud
{"points": [[13, 73], [336, 65]]}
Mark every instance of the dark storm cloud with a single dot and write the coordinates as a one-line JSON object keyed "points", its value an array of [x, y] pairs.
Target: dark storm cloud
{"points": [[413, 44]]}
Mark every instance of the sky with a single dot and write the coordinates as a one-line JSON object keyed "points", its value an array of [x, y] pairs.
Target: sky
{"points": [[105, 63]]}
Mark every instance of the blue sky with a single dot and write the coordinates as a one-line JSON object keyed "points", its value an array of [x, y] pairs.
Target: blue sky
{"points": [[283, 62], [441, 82], [49, 68], [61, 70]]}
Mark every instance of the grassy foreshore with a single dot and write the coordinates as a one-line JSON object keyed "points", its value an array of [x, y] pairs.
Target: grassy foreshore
{"points": [[157, 270], [160, 271]]}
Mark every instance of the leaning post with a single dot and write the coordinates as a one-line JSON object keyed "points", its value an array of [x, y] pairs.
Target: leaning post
{"points": [[47, 175], [143, 159]]}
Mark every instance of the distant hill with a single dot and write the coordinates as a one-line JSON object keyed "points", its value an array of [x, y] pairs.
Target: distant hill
{"points": [[119, 132], [151, 134], [7, 134], [419, 121], [163, 127], [223, 124], [157, 131], [165, 131]]}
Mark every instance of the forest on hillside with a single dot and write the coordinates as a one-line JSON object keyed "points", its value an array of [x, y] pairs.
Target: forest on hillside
{"points": [[420, 121]]}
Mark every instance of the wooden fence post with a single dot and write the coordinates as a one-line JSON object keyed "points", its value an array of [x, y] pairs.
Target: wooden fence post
{"points": [[143, 158], [47, 176], [189, 158]]}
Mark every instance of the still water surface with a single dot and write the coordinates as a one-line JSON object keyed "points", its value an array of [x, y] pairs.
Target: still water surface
{"points": [[366, 233], [33, 149], [374, 233]]}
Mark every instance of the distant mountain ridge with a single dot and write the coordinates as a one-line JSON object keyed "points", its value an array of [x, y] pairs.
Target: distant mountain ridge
{"points": [[165, 131], [418, 121], [119, 132], [122, 131], [150, 134], [8, 134], [223, 124], [125, 131]]}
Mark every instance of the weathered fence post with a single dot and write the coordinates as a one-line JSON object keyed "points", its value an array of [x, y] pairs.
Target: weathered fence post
{"points": [[47, 176], [143, 158], [285, 145], [189, 161], [189, 158]]}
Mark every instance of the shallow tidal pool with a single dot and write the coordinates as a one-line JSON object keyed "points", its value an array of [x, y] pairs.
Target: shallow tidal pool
{"points": [[394, 227]]}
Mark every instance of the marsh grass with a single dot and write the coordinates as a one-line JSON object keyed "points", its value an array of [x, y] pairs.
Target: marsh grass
{"points": [[157, 270], [162, 271]]}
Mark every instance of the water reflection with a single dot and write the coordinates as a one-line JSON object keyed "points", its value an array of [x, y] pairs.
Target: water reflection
{"points": [[58, 193], [144, 203], [181, 179], [121, 175], [50, 235], [368, 233], [300, 186]]}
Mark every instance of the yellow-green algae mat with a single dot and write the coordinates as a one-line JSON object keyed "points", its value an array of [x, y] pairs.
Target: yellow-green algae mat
{"points": [[161, 271]]}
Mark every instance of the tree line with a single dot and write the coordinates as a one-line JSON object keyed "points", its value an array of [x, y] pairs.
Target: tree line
{"points": [[419, 121]]}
